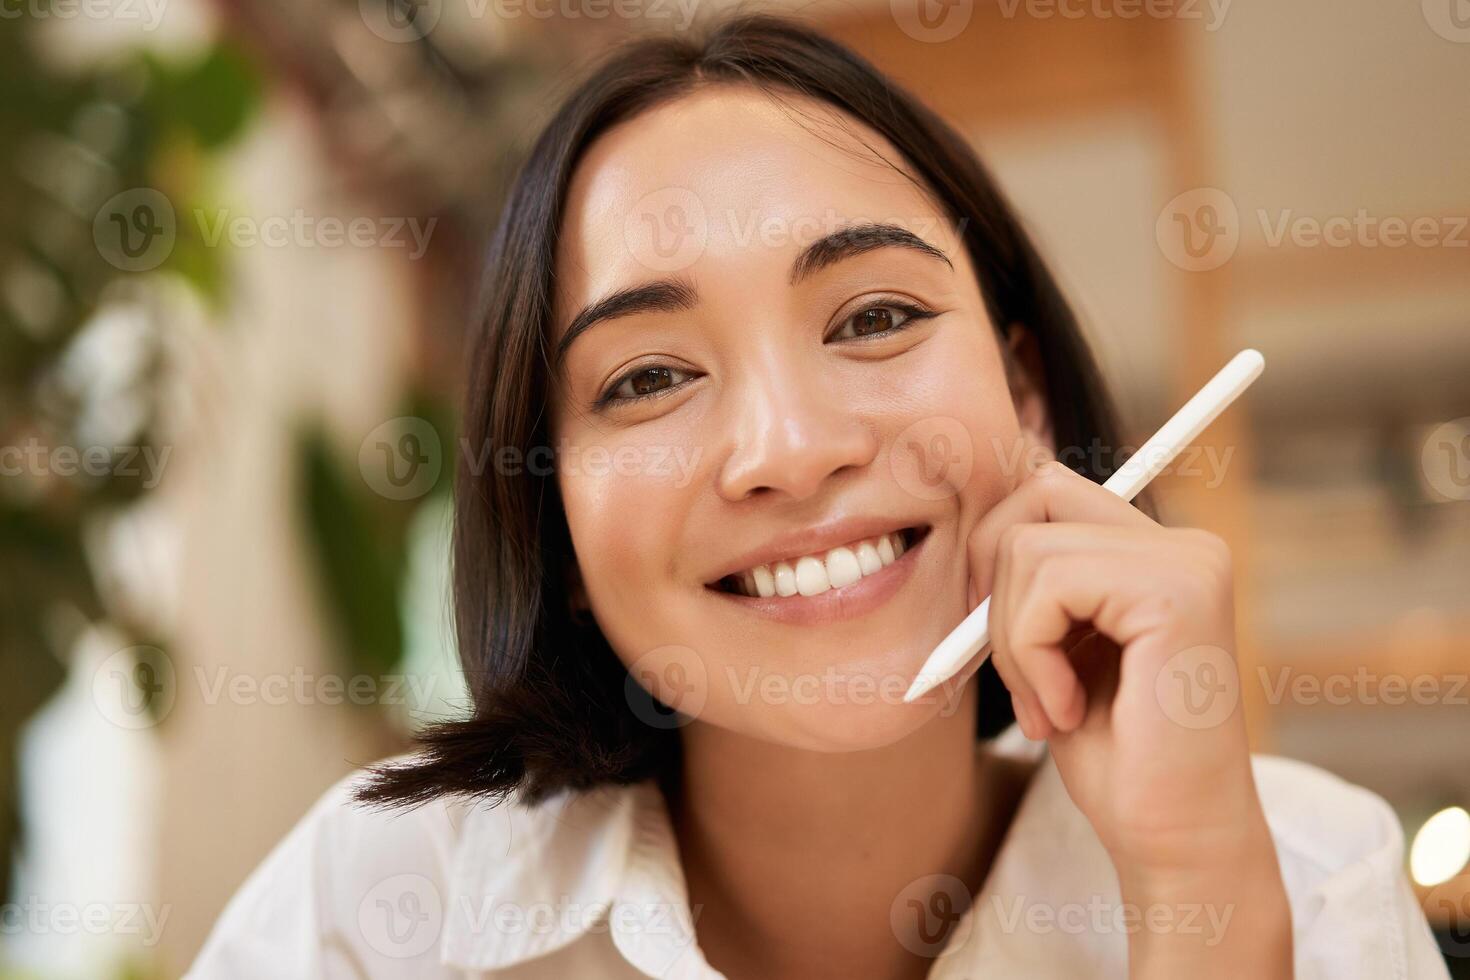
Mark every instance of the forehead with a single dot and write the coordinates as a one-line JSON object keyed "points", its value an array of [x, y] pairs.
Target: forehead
{"points": [[725, 178]]}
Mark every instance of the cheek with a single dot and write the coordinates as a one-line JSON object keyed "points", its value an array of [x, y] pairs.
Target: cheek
{"points": [[955, 433], [622, 504]]}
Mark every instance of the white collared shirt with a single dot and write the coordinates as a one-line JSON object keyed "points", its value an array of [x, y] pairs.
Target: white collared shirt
{"points": [[589, 886]]}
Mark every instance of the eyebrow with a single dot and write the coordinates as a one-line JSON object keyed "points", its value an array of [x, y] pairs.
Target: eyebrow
{"points": [[672, 295]]}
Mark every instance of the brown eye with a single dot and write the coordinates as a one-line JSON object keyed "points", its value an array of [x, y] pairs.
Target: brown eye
{"points": [[644, 382], [882, 318], [876, 320], [649, 380]]}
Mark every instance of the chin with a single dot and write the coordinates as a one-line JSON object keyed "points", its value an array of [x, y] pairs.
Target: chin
{"points": [[858, 727]]}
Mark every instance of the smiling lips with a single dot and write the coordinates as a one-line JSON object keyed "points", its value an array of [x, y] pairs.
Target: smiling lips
{"points": [[813, 574]]}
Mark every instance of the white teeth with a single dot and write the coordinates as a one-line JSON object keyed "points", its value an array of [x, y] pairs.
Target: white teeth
{"points": [[885, 550], [842, 568], [785, 578], [811, 576], [765, 582], [815, 574]]}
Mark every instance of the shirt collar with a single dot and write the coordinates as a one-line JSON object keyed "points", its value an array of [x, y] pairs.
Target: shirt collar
{"points": [[527, 881]]}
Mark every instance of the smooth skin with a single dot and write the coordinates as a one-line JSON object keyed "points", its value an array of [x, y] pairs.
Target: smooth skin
{"points": [[801, 821]]}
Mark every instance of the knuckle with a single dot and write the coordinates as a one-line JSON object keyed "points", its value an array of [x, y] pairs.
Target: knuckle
{"points": [[1195, 591], [1044, 574], [1040, 588], [1200, 585], [1048, 476], [1214, 548], [1152, 612], [1019, 539]]}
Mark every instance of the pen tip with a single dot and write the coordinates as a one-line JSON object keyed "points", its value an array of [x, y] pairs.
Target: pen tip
{"points": [[917, 689]]}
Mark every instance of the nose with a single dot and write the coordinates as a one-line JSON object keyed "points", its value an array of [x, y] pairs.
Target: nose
{"points": [[790, 433]]}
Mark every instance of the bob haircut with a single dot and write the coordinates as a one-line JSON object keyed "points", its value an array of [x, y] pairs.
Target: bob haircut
{"points": [[552, 706]]}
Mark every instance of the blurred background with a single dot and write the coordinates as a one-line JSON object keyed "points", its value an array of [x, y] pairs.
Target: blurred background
{"points": [[237, 243]]}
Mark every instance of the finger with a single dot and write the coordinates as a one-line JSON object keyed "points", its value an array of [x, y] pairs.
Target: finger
{"points": [[1031, 715], [1052, 493], [1127, 594], [1025, 549], [1096, 660], [1038, 625]]}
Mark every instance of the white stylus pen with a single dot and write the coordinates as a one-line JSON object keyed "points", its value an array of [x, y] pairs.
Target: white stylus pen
{"points": [[973, 633]]}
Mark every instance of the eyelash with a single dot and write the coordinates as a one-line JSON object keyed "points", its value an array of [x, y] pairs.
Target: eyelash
{"points": [[912, 314]]}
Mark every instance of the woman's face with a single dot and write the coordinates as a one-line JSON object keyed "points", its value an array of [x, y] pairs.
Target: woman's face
{"points": [[774, 357]]}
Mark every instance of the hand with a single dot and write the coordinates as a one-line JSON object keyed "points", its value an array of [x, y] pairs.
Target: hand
{"points": [[1116, 638]]}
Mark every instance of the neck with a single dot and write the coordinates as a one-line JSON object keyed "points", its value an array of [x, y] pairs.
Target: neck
{"points": [[794, 859]]}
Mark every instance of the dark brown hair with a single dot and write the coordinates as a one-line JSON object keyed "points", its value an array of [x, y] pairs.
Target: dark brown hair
{"points": [[550, 710]]}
